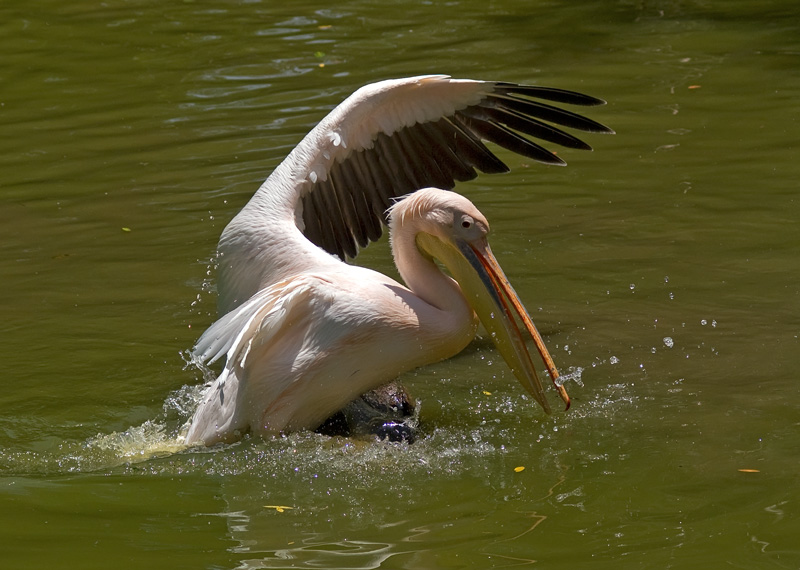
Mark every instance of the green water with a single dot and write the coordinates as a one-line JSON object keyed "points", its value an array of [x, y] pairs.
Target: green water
{"points": [[663, 267]]}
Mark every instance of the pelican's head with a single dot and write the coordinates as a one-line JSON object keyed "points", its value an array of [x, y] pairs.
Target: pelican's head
{"points": [[453, 231]]}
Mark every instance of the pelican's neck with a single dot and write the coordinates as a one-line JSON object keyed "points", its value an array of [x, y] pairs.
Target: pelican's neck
{"points": [[421, 274]]}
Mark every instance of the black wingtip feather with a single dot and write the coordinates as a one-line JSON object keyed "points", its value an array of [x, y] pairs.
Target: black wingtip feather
{"points": [[549, 94], [546, 112], [526, 125], [510, 140]]}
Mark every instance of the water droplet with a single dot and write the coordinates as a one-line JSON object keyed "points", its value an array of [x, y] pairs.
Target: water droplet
{"points": [[668, 342], [614, 360], [632, 286], [703, 322]]}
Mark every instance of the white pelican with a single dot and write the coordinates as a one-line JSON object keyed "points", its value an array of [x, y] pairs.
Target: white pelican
{"points": [[303, 332]]}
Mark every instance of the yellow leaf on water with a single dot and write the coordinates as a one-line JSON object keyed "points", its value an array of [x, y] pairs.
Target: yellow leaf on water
{"points": [[518, 469], [278, 508], [749, 471], [487, 393], [126, 229]]}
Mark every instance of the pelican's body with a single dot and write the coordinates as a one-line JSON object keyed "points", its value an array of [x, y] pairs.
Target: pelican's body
{"points": [[335, 332], [303, 332]]}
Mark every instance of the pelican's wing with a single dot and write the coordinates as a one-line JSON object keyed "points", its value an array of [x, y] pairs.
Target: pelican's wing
{"points": [[394, 137], [260, 317], [251, 327]]}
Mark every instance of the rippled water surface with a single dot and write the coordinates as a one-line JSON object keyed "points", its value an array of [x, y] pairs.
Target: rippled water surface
{"points": [[662, 270]]}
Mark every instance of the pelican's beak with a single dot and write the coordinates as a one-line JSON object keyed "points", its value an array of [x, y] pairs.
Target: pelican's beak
{"points": [[491, 296]]}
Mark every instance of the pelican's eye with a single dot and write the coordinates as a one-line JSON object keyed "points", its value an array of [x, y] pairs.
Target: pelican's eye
{"points": [[466, 223]]}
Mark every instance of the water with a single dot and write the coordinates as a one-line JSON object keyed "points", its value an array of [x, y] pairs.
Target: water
{"points": [[661, 269]]}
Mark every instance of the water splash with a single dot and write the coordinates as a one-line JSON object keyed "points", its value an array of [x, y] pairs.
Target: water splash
{"points": [[151, 439], [574, 375]]}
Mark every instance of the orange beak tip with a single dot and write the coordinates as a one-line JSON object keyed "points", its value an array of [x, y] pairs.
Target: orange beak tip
{"points": [[564, 396]]}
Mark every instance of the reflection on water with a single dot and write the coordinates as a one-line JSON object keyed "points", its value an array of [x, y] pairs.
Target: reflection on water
{"points": [[334, 528], [310, 553], [315, 550]]}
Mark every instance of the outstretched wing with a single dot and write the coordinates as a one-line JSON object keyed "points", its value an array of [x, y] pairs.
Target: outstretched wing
{"points": [[394, 137]]}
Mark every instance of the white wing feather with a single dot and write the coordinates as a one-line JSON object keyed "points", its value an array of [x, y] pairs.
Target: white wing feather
{"points": [[255, 323]]}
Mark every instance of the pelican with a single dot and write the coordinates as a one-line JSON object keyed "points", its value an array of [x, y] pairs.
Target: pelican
{"points": [[303, 332]]}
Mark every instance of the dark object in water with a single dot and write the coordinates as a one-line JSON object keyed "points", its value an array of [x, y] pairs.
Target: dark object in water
{"points": [[387, 413]]}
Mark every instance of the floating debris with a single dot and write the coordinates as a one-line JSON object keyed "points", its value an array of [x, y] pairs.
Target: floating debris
{"points": [[278, 508]]}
